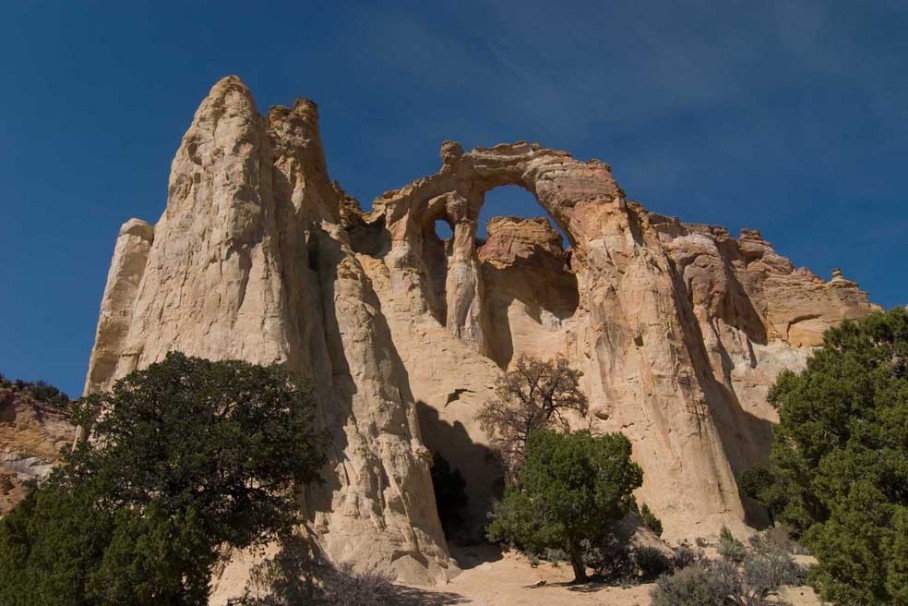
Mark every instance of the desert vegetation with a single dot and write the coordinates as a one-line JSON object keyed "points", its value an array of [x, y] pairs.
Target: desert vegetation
{"points": [[191, 459], [744, 575], [40, 391], [188, 460], [839, 462], [566, 491], [569, 492], [573, 489]]}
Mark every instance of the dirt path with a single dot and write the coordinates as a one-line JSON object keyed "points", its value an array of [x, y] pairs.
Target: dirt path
{"points": [[493, 579]]}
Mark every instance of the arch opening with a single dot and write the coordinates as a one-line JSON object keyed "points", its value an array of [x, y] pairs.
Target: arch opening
{"points": [[529, 288], [443, 229], [512, 201], [496, 273], [437, 239]]}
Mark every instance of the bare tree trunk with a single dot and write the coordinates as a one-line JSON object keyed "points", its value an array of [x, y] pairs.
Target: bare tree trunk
{"points": [[579, 569]]}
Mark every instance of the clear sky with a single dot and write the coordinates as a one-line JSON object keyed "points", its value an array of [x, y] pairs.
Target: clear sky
{"points": [[788, 116]]}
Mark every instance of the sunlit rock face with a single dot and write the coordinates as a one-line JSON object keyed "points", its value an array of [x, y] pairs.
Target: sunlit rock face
{"points": [[32, 434], [250, 262], [678, 329]]}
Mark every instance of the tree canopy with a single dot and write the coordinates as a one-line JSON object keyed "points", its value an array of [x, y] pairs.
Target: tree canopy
{"points": [[572, 490], [188, 458], [839, 462]]}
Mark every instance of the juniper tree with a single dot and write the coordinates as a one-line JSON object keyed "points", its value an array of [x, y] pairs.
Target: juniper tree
{"points": [[189, 458]]}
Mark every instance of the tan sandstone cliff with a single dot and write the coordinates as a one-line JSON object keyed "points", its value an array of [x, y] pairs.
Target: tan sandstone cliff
{"points": [[678, 329], [32, 434]]}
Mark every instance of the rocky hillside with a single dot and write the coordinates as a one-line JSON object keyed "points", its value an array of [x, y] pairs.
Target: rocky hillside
{"points": [[678, 329], [32, 432]]}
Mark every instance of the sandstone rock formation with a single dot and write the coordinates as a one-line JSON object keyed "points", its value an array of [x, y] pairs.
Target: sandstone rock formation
{"points": [[249, 261], [31, 436], [678, 329]]}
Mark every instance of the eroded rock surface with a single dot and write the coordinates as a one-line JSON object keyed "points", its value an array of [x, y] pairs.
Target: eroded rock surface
{"points": [[678, 329], [32, 433], [249, 262]]}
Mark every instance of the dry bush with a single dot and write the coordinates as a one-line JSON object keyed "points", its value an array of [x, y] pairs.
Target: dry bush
{"points": [[652, 563], [766, 571], [344, 587], [777, 537], [534, 395], [722, 582], [686, 556], [697, 585], [298, 575], [731, 548]]}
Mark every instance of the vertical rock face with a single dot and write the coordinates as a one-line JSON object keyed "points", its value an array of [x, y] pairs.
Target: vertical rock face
{"points": [[249, 262], [678, 329], [126, 270]]}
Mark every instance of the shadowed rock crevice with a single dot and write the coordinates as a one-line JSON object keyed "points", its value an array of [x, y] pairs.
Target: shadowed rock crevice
{"points": [[477, 463]]}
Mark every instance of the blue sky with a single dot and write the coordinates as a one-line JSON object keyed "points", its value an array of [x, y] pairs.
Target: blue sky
{"points": [[787, 116]]}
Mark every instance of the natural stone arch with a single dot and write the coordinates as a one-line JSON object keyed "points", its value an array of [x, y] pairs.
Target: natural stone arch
{"points": [[668, 324], [259, 256], [633, 338], [569, 193]]}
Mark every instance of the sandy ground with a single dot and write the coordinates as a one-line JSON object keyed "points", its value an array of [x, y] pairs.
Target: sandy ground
{"points": [[493, 579], [490, 578]]}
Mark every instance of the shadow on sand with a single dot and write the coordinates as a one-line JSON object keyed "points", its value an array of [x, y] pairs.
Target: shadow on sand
{"points": [[471, 556], [414, 596]]}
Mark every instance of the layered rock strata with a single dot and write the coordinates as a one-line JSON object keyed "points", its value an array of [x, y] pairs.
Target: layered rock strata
{"points": [[678, 329], [32, 434]]}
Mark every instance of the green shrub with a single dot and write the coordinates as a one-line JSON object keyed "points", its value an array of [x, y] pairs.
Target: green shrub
{"points": [[572, 491], [650, 520], [189, 457], [731, 548], [838, 472], [38, 390]]}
